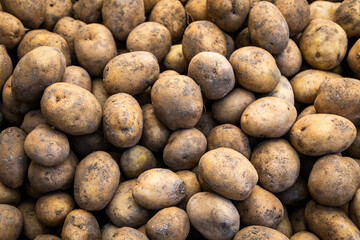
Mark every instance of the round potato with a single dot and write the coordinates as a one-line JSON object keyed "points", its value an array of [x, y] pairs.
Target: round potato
{"points": [[6, 64], [196, 9], [46, 237], [243, 38], [296, 195], [175, 59], [192, 186], [259, 232], [8, 195], [255, 69], [107, 231], [347, 16], [11, 31], [126, 233], [88, 11], [31, 120], [11, 222], [56, 9], [304, 235], [213, 216], [324, 10], [336, 135], [122, 120], [131, 73], [289, 61], [78, 76], [283, 90], [99, 91]]}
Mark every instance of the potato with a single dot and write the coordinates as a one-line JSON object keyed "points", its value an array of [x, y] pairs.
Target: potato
{"points": [[241, 176], [131, 73], [122, 120], [192, 186], [330, 171], [269, 117], [259, 232], [137, 160], [168, 223], [172, 15], [154, 134], [243, 38], [206, 123], [35, 71], [6, 65], [354, 149], [297, 219], [228, 15], [175, 59], [133, 14], [329, 223], [8, 195], [31, 120], [142, 229], [99, 91], [268, 28], [347, 16], [9, 116], [88, 11], [126, 233], [283, 90], [285, 225], [304, 235], [289, 60], [158, 188], [352, 58], [183, 94], [11, 222], [13, 160], [213, 73], [107, 231], [260, 208], [47, 237], [354, 205], [123, 210], [196, 9], [213, 216], [203, 36], [55, 10], [142, 38], [297, 194], [82, 225], [30, 13], [306, 84], [149, 4], [78, 76], [324, 10], [337, 134], [230, 45], [47, 179], [255, 69], [307, 111], [52, 209], [85, 144], [323, 44], [11, 33]]}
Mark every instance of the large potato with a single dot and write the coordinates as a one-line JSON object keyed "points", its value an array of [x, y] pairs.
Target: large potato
{"points": [[6, 64], [289, 60], [56, 9], [8, 195], [348, 17], [259, 232], [11, 222], [88, 11], [11, 30]]}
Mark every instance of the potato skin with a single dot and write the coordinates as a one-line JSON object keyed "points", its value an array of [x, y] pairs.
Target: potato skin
{"points": [[11, 220], [289, 61], [175, 59], [55, 10], [354, 208], [206, 123], [259, 232], [79, 218], [31, 120], [107, 231], [337, 134], [296, 195], [128, 233], [46, 237], [99, 91], [78, 76], [213, 216], [329, 223], [192, 186], [304, 235], [196, 9], [8, 195], [122, 120], [283, 90], [347, 16], [324, 10], [11, 31], [5, 64]]}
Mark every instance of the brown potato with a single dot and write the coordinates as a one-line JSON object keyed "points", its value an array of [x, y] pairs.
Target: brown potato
{"points": [[283, 90], [56, 9], [141, 38], [175, 59], [324, 10], [243, 38], [354, 206], [285, 225], [241, 176], [214, 74], [183, 94], [149, 4], [230, 45], [347, 16], [8, 195], [46, 237], [196, 9], [107, 231], [206, 123], [31, 120], [10, 117], [336, 135], [99, 91], [6, 65], [133, 14], [303, 235], [13, 160], [192, 186], [88, 11], [213, 216], [354, 149], [126, 233], [11, 222], [122, 120], [78, 76], [297, 194], [352, 58], [289, 61], [297, 219], [168, 223], [307, 111], [142, 229], [94, 48], [255, 69], [81, 224], [158, 188], [52, 209], [259, 232], [85, 144], [131, 73], [11, 32]]}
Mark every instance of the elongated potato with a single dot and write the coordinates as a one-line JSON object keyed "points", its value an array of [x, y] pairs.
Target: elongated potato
{"points": [[11, 30], [289, 60]]}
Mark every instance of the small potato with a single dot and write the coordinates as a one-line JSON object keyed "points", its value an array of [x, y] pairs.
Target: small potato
{"points": [[31, 120], [78, 76], [260, 208], [203, 36], [94, 47], [128, 233], [30, 13], [142, 38], [323, 10], [307, 111], [133, 14], [241, 176], [303, 235], [230, 45], [215, 217], [11, 222], [255, 69], [214, 74], [354, 149], [329, 223], [81, 224], [122, 120], [131, 73], [354, 207], [142, 229], [206, 123], [175, 59], [323, 44], [269, 117], [268, 27], [158, 188], [56, 9], [259, 232], [285, 225], [229, 15], [144, 97], [48, 179], [230, 136], [283, 90], [136, 160], [184, 149], [347, 16], [289, 61], [6, 65], [107, 231], [336, 135], [168, 73], [297, 219], [149, 4], [31, 191], [52, 209], [11, 31], [46, 237], [85, 144], [8, 195], [123, 210], [296, 195], [352, 58], [99, 91], [176, 221], [196, 9], [9, 116], [184, 97], [230, 108], [88, 11], [243, 38], [13, 160], [192, 186], [37, 70]]}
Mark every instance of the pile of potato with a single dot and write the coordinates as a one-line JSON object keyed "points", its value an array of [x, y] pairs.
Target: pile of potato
{"points": [[179, 119]]}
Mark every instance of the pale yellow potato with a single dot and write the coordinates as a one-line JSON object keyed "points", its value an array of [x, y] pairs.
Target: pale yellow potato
{"points": [[175, 59], [323, 10], [284, 90]]}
